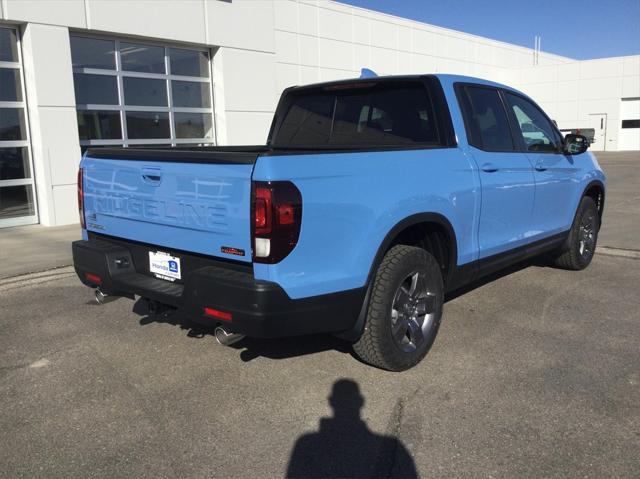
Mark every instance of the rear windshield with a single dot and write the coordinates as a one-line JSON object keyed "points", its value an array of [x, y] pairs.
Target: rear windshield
{"points": [[358, 115]]}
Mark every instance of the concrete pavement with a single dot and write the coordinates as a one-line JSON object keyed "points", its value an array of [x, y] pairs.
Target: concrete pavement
{"points": [[28, 249], [532, 375]]}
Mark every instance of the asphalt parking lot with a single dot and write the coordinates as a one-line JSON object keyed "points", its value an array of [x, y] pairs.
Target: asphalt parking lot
{"points": [[533, 374]]}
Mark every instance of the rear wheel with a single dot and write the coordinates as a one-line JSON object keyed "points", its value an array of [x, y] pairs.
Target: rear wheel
{"points": [[404, 311], [581, 244]]}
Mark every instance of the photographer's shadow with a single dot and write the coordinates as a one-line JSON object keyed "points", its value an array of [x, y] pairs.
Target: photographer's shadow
{"points": [[344, 446]]}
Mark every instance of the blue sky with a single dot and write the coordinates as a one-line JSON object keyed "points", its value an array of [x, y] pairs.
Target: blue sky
{"points": [[579, 29]]}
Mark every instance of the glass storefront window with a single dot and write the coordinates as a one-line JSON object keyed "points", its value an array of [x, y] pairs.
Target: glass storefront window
{"points": [[10, 85], [17, 198], [99, 125], [130, 93]]}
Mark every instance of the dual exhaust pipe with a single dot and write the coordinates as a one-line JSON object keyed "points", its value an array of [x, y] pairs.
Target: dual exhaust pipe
{"points": [[104, 298], [224, 337]]}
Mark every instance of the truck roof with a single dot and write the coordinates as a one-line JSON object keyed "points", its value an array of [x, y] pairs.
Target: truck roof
{"points": [[445, 79]]}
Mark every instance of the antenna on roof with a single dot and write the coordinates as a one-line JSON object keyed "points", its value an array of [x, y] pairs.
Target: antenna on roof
{"points": [[366, 73]]}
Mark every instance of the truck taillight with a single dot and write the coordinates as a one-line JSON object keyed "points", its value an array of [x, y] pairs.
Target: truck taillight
{"points": [[81, 198], [277, 216]]}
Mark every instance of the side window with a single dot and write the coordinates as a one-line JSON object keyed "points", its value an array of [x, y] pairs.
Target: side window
{"points": [[486, 119], [537, 131]]}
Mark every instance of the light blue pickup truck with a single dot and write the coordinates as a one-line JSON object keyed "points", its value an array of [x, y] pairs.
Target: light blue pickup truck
{"points": [[371, 199]]}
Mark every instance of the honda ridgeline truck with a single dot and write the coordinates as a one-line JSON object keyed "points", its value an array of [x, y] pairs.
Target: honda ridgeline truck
{"points": [[371, 199]]}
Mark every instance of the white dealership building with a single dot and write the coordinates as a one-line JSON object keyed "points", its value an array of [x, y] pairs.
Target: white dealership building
{"points": [[75, 73]]}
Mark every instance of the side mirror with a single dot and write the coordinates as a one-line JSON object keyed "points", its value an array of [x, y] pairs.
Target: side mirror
{"points": [[575, 144]]}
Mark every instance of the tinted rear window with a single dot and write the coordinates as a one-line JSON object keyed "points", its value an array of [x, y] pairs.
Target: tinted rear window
{"points": [[373, 115], [485, 119]]}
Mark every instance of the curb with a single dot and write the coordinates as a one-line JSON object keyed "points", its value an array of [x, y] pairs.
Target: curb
{"points": [[29, 279]]}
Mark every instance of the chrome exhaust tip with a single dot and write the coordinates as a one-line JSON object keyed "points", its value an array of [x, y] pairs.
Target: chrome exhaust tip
{"points": [[103, 298], [225, 338]]}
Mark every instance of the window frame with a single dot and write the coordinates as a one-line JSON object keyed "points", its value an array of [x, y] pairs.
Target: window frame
{"points": [[515, 125], [462, 96], [25, 142], [122, 108]]}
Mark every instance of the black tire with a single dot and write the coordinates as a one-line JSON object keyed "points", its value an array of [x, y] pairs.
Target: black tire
{"points": [[578, 250], [382, 343]]}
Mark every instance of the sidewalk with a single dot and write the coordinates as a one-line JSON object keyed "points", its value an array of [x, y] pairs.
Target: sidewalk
{"points": [[28, 249]]}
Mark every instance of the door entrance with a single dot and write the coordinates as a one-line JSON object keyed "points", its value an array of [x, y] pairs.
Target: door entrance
{"points": [[598, 121]]}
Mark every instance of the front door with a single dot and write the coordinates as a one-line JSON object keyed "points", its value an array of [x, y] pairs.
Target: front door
{"points": [[598, 122]]}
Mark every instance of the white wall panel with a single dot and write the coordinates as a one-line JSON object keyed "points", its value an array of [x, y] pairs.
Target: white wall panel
{"points": [[309, 50], [248, 128], [328, 74], [610, 106], [384, 34], [334, 25], [60, 142], [569, 71], [335, 54], [249, 80], [65, 204], [285, 15], [404, 63], [361, 29], [223, 21], [596, 88], [405, 39], [286, 76], [631, 66], [362, 57], [630, 87], [383, 61], [608, 67], [568, 90], [309, 75], [181, 21], [567, 114], [308, 19], [68, 13], [286, 47], [423, 42]]}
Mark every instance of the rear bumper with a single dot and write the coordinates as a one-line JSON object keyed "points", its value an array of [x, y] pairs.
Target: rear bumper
{"points": [[258, 308]]}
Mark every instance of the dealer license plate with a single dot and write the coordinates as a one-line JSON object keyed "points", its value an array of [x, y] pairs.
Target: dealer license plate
{"points": [[164, 266]]}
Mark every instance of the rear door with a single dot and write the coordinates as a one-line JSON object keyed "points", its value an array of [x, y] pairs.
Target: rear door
{"points": [[192, 201], [506, 175]]}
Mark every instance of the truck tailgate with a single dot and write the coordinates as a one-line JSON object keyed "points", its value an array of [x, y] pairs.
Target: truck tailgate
{"points": [[183, 200]]}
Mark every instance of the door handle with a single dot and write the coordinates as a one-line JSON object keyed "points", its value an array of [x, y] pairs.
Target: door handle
{"points": [[540, 166], [152, 175], [489, 168]]}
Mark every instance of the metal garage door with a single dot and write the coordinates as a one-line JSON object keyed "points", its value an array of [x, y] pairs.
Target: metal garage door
{"points": [[629, 137]]}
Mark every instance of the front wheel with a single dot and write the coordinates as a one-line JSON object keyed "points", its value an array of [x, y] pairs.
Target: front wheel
{"points": [[580, 247], [404, 311]]}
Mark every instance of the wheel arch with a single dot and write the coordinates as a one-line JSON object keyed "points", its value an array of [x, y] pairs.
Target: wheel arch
{"points": [[407, 231], [596, 191]]}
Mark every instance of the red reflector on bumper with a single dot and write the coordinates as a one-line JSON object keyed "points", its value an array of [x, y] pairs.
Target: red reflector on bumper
{"points": [[215, 313], [94, 278]]}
